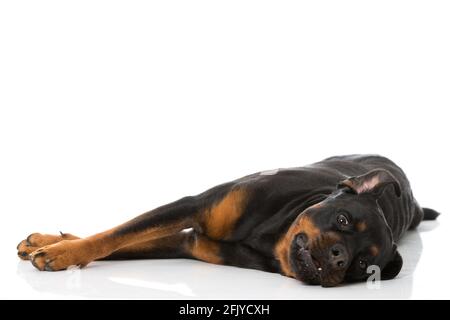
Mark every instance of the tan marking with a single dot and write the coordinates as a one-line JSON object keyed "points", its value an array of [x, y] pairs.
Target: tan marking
{"points": [[328, 239], [168, 243], [80, 252], [374, 250], [205, 249], [308, 227], [361, 226], [143, 246], [282, 249], [110, 241], [220, 219], [282, 255], [103, 244], [59, 256], [36, 241]]}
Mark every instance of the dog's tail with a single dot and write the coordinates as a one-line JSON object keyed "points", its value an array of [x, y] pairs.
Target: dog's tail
{"points": [[430, 214]]}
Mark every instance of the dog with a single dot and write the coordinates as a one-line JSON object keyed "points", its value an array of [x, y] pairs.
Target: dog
{"points": [[322, 224]]}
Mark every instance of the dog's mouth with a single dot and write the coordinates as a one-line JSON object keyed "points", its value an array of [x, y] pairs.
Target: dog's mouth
{"points": [[309, 268], [306, 268]]}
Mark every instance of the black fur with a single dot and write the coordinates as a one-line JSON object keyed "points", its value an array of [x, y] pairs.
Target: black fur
{"points": [[430, 214], [323, 223], [275, 201]]}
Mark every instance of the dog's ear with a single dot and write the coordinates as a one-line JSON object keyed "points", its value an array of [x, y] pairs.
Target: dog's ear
{"points": [[374, 182], [393, 267]]}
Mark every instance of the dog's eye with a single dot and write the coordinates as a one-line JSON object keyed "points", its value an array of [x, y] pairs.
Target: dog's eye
{"points": [[342, 220], [362, 264]]}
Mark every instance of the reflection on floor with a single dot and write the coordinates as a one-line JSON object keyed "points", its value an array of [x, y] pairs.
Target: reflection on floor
{"points": [[188, 279]]}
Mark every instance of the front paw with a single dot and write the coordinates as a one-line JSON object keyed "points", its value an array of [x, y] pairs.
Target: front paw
{"points": [[61, 255], [38, 240]]}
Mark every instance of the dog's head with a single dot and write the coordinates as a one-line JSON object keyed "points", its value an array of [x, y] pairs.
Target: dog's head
{"points": [[337, 239]]}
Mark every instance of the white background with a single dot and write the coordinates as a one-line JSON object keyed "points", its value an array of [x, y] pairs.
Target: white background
{"points": [[111, 108]]}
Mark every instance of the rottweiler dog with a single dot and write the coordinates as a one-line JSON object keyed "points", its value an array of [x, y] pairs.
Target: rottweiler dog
{"points": [[323, 223]]}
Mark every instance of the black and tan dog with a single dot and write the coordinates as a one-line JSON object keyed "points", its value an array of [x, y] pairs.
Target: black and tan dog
{"points": [[323, 224]]}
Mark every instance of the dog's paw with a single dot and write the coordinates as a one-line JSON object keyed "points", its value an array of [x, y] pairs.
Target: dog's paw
{"points": [[37, 240], [61, 255]]}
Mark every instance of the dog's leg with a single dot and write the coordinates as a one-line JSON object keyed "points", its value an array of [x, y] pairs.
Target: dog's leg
{"points": [[186, 244], [158, 223], [193, 245], [173, 246], [213, 212], [167, 247]]}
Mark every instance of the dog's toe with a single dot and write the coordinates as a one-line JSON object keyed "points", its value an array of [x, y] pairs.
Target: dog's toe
{"points": [[37, 240]]}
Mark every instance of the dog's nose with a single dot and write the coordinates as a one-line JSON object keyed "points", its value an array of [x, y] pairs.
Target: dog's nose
{"points": [[338, 256]]}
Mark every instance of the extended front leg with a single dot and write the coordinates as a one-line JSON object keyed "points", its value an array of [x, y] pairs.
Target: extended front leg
{"points": [[161, 222], [213, 214]]}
